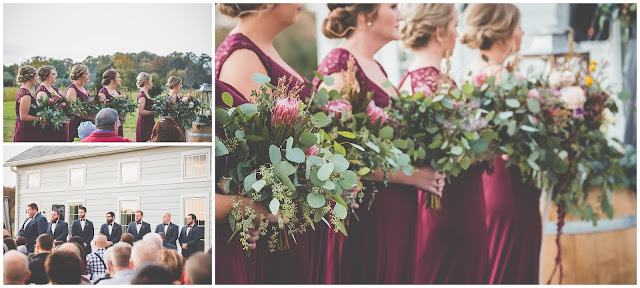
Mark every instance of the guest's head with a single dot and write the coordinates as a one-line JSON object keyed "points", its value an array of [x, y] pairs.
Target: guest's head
{"points": [[100, 241], [63, 267], [150, 273], [429, 23], [127, 238], [108, 255], [198, 269], [144, 251], [26, 74], [59, 242], [489, 25], [173, 262], [111, 76], [6, 249], [11, 244], [5, 233], [47, 74], [80, 72], [144, 80], [163, 236], [167, 130], [32, 210], [85, 129], [44, 243], [16, 268], [120, 255], [174, 82], [107, 119], [153, 238], [21, 241], [76, 242]]}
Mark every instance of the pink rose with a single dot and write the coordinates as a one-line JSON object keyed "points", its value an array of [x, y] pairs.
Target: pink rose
{"points": [[338, 107], [480, 79], [101, 100], [534, 94], [51, 101], [63, 104], [285, 110], [376, 113], [518, 76], [561, 79], [185, 99], [313, 150], [573, 97]]}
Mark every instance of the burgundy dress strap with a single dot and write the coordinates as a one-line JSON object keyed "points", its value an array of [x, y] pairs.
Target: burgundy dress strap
{"points": [[106, 93], [80, 94]]}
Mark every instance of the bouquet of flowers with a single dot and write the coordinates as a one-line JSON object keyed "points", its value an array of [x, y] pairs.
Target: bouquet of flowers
{"points": [[354, 127], [444, 129], [52, 112], [184, 110], [124, 105], [91, 106], [271, 155]]}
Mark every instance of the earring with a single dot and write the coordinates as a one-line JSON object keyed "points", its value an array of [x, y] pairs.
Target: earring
{"points": [[439, 39], [369, 24]]}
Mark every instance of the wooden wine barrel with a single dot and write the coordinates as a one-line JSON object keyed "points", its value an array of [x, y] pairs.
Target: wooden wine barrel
{"points": [[602, 254], [200, 133]]}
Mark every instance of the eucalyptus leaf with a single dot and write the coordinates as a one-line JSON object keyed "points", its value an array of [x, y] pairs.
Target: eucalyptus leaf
{"points": [[285, 168], [295, 155], [220, 148], [340, 212], [357, 146], [340, 163], [308, 139], [316, 200], [227, 99], [386, 132], [480, 146], [248, 181], [260, 78], [274, 206], [328, 80], [257, 186], [456, 150], [347, 134], [533, 105], [275, 156], [248, 109], [325, 171]]}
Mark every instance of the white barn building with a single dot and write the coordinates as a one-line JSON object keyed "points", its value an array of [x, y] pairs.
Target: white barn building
{"points": [[121, 179]]}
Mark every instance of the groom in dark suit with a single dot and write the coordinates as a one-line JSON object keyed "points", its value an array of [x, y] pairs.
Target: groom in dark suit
{"points": [[83, 228], [138, 228], [190, 237], [169, 229], [112, 230], [33, 226], [58, 228]]}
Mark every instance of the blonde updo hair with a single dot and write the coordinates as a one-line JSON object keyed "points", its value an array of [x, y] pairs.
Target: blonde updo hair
{"points": [[487, 23], [77, 71], [342, 20], [172, 261], [173, 81], [26, 73], [421, 20], [44, 72], [243, 10], [142, 79], [109, 75]]}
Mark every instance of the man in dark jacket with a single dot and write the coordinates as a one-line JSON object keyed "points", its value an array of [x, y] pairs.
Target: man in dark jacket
{"points": [[58, 228], [44, 245], [169, 229], [33, 226], [138, 228], [111, 229], [83, 228], [190, 237]]}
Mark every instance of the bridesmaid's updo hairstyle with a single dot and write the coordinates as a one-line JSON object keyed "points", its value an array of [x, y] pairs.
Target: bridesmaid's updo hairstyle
{"points": [[77, 71], [421, 20], [343, 18], [142, 79], [243, 10], [173, 81], [44, 72], [109, 75], [487, 23], [26, 73]]}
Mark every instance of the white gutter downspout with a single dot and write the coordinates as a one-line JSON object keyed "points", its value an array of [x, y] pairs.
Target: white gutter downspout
{"points": [[14, 169]]}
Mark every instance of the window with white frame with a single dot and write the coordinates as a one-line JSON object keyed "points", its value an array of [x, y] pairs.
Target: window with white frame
{"points": [[33, 180], [195, 165], [127, 210], [196, 206], [76, 177], [74, 211], [129, 172]]}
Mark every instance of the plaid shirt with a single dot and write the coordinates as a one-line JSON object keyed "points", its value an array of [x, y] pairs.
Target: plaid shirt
{"points": [[94, 264]]}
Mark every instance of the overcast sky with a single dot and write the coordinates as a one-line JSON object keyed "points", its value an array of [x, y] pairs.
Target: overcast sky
{"points": [[8, 177], [79, 30]]}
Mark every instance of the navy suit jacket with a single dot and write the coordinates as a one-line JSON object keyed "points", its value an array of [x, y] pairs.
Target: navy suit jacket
{"points": [[192, 240], [146, 228], [116, 232], [172, 233], [33, 229], [61, 233], [87, 234]]}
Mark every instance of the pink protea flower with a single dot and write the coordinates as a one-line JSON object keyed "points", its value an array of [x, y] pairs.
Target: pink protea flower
{"points": [[285, 111], [313, 150], [338, 107], [51, 101], [480, 79], [376, 113], [534, 94]]}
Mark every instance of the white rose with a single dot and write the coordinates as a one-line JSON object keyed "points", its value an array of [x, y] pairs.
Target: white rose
{"points": [[568, 78], [573, 97], [554, 79], [185, 99], [191, 105]]}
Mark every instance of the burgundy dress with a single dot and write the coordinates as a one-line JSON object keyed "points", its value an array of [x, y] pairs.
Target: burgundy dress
{"points": [[49, 133], [145, 123], [295, 265], [25, 131], [109, 97], [75, 121], [451, 242], [377, 249]]}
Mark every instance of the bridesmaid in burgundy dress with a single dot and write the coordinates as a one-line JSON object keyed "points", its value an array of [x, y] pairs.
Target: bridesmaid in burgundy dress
{"points": [[77, 91], [145, 115], [47, 75], [110, 81], [25, 114], [377, 249], [450, 242], [249, 49], [512, 207]]}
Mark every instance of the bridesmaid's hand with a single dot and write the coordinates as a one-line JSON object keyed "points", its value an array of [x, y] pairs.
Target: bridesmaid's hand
{"points": [[254, 236], [427, 179]]}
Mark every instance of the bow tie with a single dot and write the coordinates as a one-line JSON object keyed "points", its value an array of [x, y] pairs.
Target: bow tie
{"points": [[81, 220], [111, 224], [138, 223], [54, 222], [189, 226], [166, 224]]}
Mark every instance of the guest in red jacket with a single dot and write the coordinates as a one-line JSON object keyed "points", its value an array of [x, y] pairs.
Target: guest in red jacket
{"points": [[107, 124]]}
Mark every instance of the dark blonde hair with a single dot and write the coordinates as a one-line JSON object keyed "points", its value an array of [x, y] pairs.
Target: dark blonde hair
{"points": [[173, 81], [142, 79], [243, 10], [109, 75], [421, 21], [26, 73], [44, 72], [167, 130], [173, 262], [487, 23], [77, 71], [342, 20]]}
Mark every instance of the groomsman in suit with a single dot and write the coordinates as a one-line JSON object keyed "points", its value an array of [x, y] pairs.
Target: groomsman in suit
{"points": [[169, 229], [83, 228], [190, 237], [33, 226], [112, 230], [138, 228], [58, 228]]}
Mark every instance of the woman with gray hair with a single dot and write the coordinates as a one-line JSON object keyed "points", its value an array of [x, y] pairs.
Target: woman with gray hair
{"points": [[145, 115], [107, 124]]}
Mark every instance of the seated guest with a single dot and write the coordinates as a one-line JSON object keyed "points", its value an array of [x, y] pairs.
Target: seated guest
{"points": [[78, 240], [151, 274], [107, 124], [96, 267], [167, 130], [106, 258], [84, 130], [127, 238], [166, 244], [144, 251], [174, 263], [15, 269], [44, 245], [76, 249], [11, 244], [64, 267], [21, 245], [155, 238], [198, 269], [119, 265]]}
